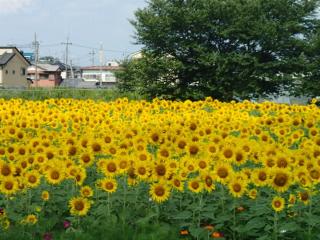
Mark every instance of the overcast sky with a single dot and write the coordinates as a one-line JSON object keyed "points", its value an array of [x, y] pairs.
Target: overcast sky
{"points": [[86, 22]]}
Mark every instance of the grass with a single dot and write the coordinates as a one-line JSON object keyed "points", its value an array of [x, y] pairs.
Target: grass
{"points": [[42, 94]]}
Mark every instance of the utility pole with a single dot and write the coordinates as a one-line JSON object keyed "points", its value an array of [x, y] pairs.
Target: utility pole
{"points": [[102, 60], [93, 53], [72, 73], [36, 57], [67, 54]]}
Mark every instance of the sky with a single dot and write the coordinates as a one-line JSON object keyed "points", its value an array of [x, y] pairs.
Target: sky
{"points": [[87, 23]]}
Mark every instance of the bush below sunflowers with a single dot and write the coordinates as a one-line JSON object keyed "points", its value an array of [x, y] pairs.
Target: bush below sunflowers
{"points": [[84, 169]]}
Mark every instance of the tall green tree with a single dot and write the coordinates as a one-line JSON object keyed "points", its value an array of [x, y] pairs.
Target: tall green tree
{"points": [[227, 49]]}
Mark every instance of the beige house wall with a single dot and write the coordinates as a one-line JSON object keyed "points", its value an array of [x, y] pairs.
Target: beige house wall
{"points": [[12, 75]]}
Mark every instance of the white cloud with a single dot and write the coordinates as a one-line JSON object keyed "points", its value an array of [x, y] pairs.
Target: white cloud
{"points": [[11, 6]]}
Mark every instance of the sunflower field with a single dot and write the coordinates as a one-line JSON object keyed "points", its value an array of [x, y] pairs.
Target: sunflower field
{"points": [[85, 169]]}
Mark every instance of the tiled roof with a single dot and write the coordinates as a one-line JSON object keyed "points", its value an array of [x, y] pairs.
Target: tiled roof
{"points": [[5, 58]]}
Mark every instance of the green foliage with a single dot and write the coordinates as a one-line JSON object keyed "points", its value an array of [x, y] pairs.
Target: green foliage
{"points": [[227, 49]]}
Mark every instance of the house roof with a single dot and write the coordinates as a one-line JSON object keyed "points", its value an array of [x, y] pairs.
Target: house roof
{"points": [[47, 67], [17, 50], [5, 58], [104, 68]]}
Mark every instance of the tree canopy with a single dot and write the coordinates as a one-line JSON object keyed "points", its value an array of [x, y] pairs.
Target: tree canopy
{"points": [[228, 49]]}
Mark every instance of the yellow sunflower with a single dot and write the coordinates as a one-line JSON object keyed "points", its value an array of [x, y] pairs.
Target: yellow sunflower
{"points": [[45, 196], [9, 185], [278, 204], [108, 184], [86, 191], [237, 187], [79, 206], [280, 180], [222, 172], [159, 192], [32, 179], [195, 185], [55, 175], [304, 197]]}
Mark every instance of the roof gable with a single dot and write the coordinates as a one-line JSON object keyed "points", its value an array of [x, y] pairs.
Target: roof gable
{"points": [[5, 58], [16, 50]]}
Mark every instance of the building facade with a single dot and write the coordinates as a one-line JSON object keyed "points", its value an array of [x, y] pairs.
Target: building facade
{"points": [[48, 75], [104, 74], [13, 68]]}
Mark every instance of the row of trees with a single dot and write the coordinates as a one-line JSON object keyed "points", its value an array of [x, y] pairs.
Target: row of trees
{"points": [[228, 49]]}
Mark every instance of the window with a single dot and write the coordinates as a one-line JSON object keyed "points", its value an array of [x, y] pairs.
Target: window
{"points": [[23, 71], [7, 72], [13, 72], [44, 76]]}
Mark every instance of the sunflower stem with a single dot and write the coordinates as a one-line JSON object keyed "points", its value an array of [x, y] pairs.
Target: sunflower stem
{"points": [[275, 226], [108, 204], [222, 199], [234, 220], [309, 225], [200, 209]]}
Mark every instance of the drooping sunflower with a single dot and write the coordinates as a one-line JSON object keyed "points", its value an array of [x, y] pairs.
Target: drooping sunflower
{"points": [[208, 181], [159, 192], [253, 193], [304, 196], [79, 206], [278, 204], [291, 200]]}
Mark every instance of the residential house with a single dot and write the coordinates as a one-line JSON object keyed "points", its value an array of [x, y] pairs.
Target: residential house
{"points": [[13, 68], [103, 74], [47, 75]]}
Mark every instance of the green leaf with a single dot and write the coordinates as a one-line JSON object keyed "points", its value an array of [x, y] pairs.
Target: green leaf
{"points": [[183, 215]]}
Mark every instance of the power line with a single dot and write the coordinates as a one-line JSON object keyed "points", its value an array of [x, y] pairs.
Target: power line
{"points": [[92, 54]]}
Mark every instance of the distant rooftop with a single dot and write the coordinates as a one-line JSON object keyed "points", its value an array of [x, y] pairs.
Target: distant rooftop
{"points": [[5, 58], [47, 67]]}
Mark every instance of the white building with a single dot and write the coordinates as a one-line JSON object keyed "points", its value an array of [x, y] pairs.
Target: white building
{"points": [[104, 74]]}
